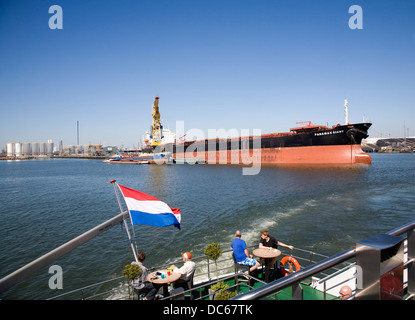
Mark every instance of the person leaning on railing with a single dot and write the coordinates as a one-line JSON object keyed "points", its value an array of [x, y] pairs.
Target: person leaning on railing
{"points": [[268, 242]]}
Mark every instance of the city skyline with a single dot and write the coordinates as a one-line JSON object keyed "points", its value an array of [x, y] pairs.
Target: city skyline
{"points": [[214, 64]]}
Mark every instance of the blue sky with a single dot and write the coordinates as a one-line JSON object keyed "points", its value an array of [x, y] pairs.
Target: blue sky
{"points": [[215, 64]]}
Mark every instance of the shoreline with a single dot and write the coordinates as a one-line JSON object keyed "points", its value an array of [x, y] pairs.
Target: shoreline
{"points": [[53, 157]]}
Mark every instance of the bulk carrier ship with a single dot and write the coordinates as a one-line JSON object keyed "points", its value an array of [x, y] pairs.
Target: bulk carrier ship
{"points": [[307, 144]]}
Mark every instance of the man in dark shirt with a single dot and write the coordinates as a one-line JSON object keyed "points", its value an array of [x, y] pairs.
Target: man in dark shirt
{"points": [[268, 242]]}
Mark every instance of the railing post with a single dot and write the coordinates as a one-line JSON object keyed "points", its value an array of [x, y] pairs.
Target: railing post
{"points": [[411, 266], [297, 291], [381, 260]]}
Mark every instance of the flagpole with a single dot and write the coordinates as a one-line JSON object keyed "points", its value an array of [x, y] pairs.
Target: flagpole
{"points": [[113, 182]]}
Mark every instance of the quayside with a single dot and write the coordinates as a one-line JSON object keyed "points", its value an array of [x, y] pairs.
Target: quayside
{"points": [[378, 268]]}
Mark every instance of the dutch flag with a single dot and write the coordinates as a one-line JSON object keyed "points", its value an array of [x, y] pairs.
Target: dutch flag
{"points": [[145, 209]]}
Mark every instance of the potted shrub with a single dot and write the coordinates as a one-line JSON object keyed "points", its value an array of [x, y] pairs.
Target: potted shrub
{"points": [[213, 252], [225, 295], [131, 272], [216, 288]]}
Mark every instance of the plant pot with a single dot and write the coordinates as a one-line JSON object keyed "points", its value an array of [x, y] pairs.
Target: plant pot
{"points": [[212, 294]]}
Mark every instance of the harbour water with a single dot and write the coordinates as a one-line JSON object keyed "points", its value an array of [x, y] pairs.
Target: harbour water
{"points": [[45, 203]]}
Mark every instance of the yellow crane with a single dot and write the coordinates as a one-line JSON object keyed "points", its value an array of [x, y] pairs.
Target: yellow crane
{"points": [[156, 128]]}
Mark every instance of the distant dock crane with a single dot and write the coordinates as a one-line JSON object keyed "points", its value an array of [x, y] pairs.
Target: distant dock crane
{"points": [[156, 128]]}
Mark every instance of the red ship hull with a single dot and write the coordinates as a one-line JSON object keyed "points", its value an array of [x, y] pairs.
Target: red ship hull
{"points": [[303, 145], [343, 154]]}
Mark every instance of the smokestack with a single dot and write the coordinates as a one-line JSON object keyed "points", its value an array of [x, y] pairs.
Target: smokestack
{"points": [[77, 133]]}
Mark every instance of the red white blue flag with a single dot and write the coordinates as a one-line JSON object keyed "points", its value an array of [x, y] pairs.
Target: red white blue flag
{"points": [[148, 210]]}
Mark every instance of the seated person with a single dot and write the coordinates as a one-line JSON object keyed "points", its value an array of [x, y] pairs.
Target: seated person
{"points": [[141, 284], [186, 270], [241, 253], [268, 242]]}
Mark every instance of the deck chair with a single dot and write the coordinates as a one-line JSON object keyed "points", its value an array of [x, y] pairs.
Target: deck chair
{"points": [[186, 285], [239, 267]]}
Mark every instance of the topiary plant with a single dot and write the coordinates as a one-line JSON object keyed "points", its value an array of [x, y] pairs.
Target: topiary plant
{"points": [[131, 272], [213, 252]]}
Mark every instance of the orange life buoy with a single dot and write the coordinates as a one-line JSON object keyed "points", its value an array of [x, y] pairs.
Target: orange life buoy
{"points": [[289, 259]]}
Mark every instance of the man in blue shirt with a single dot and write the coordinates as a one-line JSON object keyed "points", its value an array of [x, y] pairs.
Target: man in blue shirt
{"points": [[241, 253]]}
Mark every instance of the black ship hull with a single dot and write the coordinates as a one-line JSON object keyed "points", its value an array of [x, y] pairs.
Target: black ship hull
{"points": [[306, 145]]}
